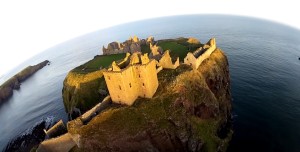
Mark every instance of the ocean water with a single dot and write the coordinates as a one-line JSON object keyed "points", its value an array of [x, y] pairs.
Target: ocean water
{"points": [[264, 70]]}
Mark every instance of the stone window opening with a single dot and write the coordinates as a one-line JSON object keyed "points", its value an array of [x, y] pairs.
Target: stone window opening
{"points": [[108, 77], [143, 84], [120, 87], [139, 75], [130, 85]]}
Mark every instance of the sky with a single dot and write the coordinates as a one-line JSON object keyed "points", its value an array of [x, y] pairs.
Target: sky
{"points": [[31, 26]]}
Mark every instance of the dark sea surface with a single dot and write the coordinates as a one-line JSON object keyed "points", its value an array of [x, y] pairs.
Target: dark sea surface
{"points": [[264, 69]]}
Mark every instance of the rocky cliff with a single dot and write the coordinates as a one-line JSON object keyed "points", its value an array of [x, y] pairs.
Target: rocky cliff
{"points": [[81, 92], [191, 111], [6, 89]]}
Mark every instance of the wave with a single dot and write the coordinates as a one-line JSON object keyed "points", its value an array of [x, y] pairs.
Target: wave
{"points": [[31, 137]]}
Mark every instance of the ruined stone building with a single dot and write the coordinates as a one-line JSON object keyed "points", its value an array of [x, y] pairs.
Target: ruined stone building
{"points": [[132, 45], [134, 77], [150, 40], [156, 51], [197, 57], [166, 61]]}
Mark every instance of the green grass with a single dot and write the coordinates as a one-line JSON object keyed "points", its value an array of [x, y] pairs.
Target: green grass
{"points": [[145, 48], [206, 130], [99, 61], [178, 47], [176, 50]]}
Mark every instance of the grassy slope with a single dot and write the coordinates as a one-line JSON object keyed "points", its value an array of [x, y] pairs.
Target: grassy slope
{"points": [[98, 61]]}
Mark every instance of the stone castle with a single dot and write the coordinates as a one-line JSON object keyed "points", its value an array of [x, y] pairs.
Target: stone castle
{"points": [[136, 75]]}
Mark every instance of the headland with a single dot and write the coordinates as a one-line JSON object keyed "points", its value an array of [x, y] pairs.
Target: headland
{"points": [[6, 89], [163, 95]]}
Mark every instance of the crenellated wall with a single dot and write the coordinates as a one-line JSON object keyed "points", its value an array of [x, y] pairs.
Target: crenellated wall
{"points": [[155, 50], [166, 61], [197, 57]]}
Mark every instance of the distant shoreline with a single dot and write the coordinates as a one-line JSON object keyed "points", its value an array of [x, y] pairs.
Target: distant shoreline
{"points": [[6, 89]]}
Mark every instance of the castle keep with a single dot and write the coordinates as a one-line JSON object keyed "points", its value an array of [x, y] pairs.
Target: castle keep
{"points": [[136, 75]]}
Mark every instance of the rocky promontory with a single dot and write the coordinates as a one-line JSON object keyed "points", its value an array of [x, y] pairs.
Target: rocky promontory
{"points": [[6, 89], [190, 111]]}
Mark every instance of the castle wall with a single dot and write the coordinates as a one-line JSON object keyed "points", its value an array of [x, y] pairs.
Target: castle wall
{"points": [[166, 61], [190, 59], [147, 79], [156, 51]]}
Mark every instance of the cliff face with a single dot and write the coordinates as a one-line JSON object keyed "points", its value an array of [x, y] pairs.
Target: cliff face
{"points": [[190, 111], [6, 89], [81, 91]]}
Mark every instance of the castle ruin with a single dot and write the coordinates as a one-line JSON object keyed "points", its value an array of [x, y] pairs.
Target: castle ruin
{"points": [[133, 44], [197, 57], [136, 75], [166, 61]]}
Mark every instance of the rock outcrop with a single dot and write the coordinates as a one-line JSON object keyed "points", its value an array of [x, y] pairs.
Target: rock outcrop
{"points": [[30, 138], [6, 89], [81, 92], [191, 111]]}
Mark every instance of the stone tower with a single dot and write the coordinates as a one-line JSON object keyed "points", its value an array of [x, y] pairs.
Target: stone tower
{"points": [[133, 78]]}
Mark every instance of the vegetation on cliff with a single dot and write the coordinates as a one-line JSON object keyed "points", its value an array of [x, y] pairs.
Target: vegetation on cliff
{"points": [[84, 86], [189, 112], [6, 89]]}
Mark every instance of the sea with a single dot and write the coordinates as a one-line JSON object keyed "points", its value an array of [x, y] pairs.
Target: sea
{"points": [[264, 71]]}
